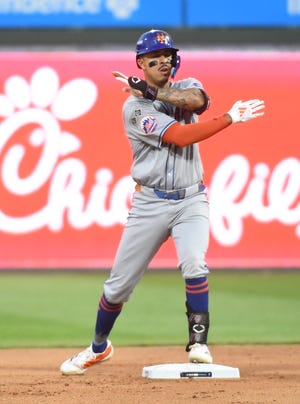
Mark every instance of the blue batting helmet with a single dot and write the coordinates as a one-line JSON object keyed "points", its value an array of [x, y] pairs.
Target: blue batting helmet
{"points": [[154, 40]]}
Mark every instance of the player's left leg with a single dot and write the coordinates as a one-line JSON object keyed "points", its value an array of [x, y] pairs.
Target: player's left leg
{"points": [[191, 237]]}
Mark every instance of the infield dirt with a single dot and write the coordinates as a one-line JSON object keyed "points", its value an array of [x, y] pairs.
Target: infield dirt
{"points": [[269, 374]]}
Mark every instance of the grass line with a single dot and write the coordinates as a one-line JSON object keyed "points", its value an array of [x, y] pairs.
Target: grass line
{"points": [[59, 309]]}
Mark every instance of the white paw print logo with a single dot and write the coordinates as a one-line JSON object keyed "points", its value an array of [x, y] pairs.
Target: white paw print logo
{"points": [[40, 101]]}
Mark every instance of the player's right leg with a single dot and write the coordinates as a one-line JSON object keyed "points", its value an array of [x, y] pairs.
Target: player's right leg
{"points": [[142, 237], [101, 348], [79, 363]]}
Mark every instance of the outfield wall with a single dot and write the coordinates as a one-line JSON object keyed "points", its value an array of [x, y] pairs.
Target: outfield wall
{"points": [[65, 161]]}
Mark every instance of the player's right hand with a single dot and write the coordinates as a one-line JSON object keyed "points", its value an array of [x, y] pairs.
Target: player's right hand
{"points": [[243, 111], [138, 87], [121, 77], [138, 84]]}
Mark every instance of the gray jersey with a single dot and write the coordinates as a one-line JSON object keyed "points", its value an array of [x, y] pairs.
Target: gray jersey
{"points": [[157, 164]]}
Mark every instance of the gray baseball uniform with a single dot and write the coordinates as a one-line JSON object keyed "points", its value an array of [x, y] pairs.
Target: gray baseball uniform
{"points": [[170, 199]]}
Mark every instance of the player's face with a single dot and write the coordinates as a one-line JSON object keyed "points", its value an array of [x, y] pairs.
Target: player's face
{"points": [[157, 66]]}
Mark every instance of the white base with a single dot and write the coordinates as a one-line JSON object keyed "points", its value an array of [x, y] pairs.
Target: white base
{"points": [[190, 370]]}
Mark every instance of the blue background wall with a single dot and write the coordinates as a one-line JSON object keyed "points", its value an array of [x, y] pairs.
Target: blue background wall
{"points": [[138, 13]]}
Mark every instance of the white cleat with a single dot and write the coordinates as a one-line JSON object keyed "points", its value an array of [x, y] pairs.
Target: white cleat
{"points": [[199, 353], [79, 363]]}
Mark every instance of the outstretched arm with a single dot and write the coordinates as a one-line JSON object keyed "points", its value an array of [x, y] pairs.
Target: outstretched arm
{"points": [[184, 135]]}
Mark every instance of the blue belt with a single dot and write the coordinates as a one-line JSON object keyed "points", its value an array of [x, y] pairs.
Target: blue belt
{"points": [[180, 193]]}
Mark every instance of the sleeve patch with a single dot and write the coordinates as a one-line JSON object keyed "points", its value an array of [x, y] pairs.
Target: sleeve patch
{"points": [[148, 124]]}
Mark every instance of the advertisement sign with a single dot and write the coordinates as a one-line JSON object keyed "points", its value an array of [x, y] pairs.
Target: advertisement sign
{"points": [[65, 184], [89, 13], [150, 14]]}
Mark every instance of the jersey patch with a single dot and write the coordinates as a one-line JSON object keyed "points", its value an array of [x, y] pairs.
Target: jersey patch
{"points": [[148, 124]]}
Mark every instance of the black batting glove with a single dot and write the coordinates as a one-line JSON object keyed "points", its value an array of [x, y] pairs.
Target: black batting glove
{"points": [[149, 92]]}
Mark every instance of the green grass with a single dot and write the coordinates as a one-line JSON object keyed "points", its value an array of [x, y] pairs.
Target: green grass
{"points": [[59, 309]]}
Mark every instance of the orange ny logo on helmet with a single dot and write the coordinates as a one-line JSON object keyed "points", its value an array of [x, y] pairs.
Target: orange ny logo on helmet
{"points": [[161, 37]]}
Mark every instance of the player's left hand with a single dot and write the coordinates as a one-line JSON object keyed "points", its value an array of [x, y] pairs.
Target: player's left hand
{"points": [[243, 111]]}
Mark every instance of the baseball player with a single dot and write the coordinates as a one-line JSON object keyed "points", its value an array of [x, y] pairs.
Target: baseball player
{"points": [[161, 122]]}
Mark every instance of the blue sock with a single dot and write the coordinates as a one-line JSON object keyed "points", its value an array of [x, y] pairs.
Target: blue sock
{"points": [[197, 292], [106, 317]]}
